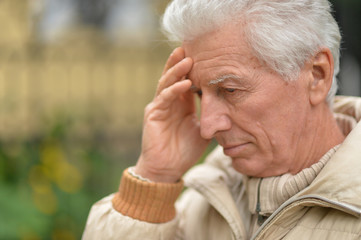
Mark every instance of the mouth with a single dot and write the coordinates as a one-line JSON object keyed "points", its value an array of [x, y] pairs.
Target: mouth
{"points": [[234, 150]]}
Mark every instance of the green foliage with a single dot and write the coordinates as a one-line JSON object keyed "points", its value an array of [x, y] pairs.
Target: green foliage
{"points": [[49, 182]]}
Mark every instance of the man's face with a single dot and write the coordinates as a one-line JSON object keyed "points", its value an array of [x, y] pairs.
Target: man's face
{"points": [[258, 118]]}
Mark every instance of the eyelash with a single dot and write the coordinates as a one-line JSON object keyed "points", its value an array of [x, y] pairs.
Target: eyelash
{"points": [[229, 90], [224, 91], [220, 90]]}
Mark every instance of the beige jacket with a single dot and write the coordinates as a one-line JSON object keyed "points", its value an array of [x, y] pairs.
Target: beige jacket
{"points": [[329, 208]]}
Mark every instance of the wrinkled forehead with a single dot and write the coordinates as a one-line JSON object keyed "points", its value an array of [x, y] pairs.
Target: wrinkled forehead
{"points": [[220, 53]]}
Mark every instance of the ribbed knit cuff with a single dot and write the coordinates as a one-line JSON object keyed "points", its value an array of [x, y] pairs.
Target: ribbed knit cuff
{"points": [[146, 201]]}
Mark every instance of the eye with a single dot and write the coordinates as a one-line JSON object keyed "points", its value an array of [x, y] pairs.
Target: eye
{"points": [[227, 91], [230, 94], [199, 93], [230, 90]]}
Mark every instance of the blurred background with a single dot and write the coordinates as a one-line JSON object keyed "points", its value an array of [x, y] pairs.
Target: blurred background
{"points": [[75, 76]]}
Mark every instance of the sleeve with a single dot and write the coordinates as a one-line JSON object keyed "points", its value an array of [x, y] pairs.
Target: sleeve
{"points": [[139, 210]]}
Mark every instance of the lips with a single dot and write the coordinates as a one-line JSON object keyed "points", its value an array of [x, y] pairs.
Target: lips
{"points": [[235, 150]]}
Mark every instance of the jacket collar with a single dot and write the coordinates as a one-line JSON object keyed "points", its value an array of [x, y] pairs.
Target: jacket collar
{"points": [[269, 194], [340, 181]]}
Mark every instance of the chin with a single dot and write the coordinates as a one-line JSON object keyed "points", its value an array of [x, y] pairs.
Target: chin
{"points": [[252, 168], [246, 167]]}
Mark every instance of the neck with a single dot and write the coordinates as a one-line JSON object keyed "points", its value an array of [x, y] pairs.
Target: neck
{"points": [[324, 134]]}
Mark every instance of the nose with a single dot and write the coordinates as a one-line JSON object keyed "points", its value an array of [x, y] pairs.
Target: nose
{"points": [[214, 117]]}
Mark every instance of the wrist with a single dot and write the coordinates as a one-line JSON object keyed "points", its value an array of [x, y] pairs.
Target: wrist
{"points": [[155, 175], [133, 174]]}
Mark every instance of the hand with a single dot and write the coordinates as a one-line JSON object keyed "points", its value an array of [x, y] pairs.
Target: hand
{"points": [[171, 141]]}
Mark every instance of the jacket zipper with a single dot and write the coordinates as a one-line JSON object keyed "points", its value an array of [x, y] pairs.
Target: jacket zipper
{"points": [[260, 218]]}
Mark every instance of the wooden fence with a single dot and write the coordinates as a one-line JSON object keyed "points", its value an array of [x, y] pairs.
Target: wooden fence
{"points": [[84, 77]]}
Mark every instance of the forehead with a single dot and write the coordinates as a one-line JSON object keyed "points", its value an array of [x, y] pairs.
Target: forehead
{"points": [[221, 53]]}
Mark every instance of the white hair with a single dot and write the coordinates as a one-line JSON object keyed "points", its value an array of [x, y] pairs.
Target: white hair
{"points": [[283, 34]]}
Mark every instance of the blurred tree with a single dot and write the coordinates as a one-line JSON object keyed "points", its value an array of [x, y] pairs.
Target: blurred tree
{"points": [[131, 20], [348, 15]]}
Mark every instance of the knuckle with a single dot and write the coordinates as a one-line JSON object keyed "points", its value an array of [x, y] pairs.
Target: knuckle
{"points": [[173, 70], [148, 108], [161, 80], [165, 92], [161, 83]]}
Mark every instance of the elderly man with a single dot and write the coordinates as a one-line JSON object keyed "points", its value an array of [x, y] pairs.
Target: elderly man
{"points": [[287, 166]]}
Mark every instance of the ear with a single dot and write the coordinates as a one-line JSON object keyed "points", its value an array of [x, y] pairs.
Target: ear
{"points": [[322, 75]]}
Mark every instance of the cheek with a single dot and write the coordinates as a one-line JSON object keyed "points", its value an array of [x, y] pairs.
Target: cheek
{"points": [[259, 129], [280, 131], [271, 125]]}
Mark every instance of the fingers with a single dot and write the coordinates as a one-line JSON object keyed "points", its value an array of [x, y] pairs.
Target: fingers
{"points": [[174, 74], [170, 94], [172, 85], [161, 107], [176, 56]]}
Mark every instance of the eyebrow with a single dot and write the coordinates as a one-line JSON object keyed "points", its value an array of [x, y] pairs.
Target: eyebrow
{"points": [[222, 78], [219, 79]]}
